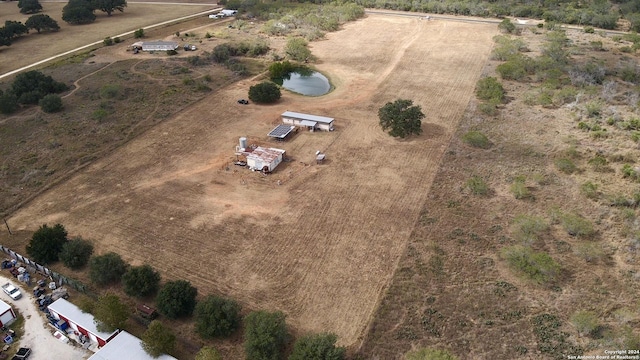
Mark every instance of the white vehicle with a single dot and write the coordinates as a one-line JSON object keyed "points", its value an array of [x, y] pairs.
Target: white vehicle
{"points": [[228, 12], [216, 16], [11, 291]]}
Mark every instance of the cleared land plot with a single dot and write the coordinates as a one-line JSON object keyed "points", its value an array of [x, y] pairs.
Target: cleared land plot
{"points": [[322, 245], [34, 47]]}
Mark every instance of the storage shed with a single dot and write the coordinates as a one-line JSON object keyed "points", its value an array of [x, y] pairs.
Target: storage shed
{"points": [[159, 45], [7, 315], [310, 122], [264, 159], [79, 321], [125, 346]]}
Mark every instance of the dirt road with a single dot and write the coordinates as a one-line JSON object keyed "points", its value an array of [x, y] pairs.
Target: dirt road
{"points": [[38, 335]]}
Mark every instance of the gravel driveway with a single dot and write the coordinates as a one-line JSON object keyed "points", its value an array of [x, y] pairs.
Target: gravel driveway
{"points": [[38, 335]]}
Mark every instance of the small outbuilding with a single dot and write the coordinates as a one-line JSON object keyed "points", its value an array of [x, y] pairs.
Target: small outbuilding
{"points": [[7, 315], [159, 45], [81, 322], [264, 159], [310, 122]]}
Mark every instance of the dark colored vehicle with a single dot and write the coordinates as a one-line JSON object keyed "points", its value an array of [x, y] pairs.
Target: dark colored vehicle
{"points": [[22, 353], [243, 101]]}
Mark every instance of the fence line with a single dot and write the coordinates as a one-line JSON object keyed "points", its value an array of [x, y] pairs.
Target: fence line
{"points": [[35, 267]]}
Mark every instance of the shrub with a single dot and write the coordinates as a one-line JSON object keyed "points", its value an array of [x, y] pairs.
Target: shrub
{"points": [[584, 321], [217, 317], [528, 228], [208, 35], [519, 189], [600, 164], [513, 69], [108, 41], [566, 166], [296, 49], [172, 52], [107, 269], [279, 70], [589, 252], [506, 26], [76, 253], [265, 92], [117, 40], [430, 354], [589, 29], [476, 139], [51, 103], [477, 185], [110, 91], [537, 266], [589, 189], [490, 89], [317, 347], [576, 225], [8, 102], [138, 33]]}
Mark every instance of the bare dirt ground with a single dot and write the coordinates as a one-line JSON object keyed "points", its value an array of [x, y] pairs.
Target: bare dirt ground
{"points": [[321, 246]]}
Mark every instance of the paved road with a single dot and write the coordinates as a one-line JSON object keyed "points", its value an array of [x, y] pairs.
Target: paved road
{"points": [[38, 334]]}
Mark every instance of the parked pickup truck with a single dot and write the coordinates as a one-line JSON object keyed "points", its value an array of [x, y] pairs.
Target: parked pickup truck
{"points": [[23, 353], [11, 291]]}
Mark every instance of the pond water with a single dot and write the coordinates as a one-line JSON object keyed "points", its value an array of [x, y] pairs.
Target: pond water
{"points": [[309, 83]]}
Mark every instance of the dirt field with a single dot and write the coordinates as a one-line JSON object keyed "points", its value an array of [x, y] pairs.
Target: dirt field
{"points": [[321, 246], [33, 47]]}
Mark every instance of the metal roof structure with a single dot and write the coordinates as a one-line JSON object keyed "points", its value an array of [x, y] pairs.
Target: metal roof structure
{"points": [[159, 45], [266, 155], [308, 123], [301, 116], [85, 320], [281, 131], [125, 346]]}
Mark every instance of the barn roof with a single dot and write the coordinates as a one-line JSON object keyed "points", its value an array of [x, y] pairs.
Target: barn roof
{"points": [[82, 319], [125, 346], [4, 307], [301, 116], [264, 154]]}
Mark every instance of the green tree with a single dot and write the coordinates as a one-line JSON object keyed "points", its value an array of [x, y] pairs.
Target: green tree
{"points": [[208, 353], [265, 335], [158, 339], [107, 269], [430, 354], [296, 49], [401, 118], [76, 253], [42, 22], [177, 299], [141, 281], [110, 313], [265, 92], [29, 6], [31, 86], [217, 317], [78, 12], [50, 103], [46, 243], [109, 6], [537, 266], [5, 37], [14, 29], [8, 102], [317, 347]]}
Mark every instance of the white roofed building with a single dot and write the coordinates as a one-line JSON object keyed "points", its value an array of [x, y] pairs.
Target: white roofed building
{"points": [[126, 346], [311, 122]]}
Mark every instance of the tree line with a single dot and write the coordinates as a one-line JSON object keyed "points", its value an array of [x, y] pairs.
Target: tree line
{"points": [[265, 333], [76, 12]]}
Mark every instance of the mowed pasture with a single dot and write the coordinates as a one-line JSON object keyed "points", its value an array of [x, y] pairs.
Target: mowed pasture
{"points": [[319, 242], [34, 47]]}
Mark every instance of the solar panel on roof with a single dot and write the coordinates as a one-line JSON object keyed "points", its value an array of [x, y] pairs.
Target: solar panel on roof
{"points": [[281, 131]]}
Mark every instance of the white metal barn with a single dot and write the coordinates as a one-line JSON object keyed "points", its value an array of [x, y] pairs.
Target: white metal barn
{"points": [[125, 346], [7, 315], [264, 159], [159, 45], [81, 322], [311, 122]]}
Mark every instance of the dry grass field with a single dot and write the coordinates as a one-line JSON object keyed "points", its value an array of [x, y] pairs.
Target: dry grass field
{"points": [[319, 242], [34, 47]]}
